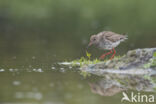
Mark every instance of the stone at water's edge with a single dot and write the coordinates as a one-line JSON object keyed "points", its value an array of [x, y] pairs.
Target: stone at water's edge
{"points": [[131, 63], [128, 72]]}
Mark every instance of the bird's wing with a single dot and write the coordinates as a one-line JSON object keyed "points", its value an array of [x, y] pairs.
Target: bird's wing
{"points": [[105, 34], [114, 37]]}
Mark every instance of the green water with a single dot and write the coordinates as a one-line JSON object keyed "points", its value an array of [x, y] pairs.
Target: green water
{"points": [[35, 35], [46, 83]]}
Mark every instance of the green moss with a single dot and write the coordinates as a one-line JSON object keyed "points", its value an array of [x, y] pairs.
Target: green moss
{"points": [[152, 63], [151, 79], [121, 82], [85, 74], [84, 61], [154, 54], [147, 77], [148, 65]]}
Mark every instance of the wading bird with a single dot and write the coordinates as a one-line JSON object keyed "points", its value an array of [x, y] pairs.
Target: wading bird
{"points": [[107, 40]]}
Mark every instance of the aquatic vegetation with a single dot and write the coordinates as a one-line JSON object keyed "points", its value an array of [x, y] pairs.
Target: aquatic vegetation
{"points": [[154, 54], [152, 62], [86, 60], [117, 62], [85, 74], [151, 79], [88, 55]]}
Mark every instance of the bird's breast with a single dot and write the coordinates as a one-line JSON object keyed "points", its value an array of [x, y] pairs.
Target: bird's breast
{"points": [[107, 45]]}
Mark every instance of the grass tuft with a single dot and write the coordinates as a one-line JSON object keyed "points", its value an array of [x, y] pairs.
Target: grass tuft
{"points": [[86, 61]]}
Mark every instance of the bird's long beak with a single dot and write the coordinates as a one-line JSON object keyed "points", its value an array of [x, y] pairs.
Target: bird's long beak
{"points": [[90, 43]]}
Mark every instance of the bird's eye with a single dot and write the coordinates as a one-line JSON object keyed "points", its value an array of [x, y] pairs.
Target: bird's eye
{"points": [[94, 39]]}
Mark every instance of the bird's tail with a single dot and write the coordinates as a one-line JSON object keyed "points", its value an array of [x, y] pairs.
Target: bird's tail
{"points": [[125, 35], [123, 38]]}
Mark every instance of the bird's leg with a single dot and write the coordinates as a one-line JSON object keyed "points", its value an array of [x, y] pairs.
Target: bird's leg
{"points": [[103, 56], [113, 54]]}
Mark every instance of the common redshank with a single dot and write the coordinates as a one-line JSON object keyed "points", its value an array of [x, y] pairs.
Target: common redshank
{"points": [[107, 40]]}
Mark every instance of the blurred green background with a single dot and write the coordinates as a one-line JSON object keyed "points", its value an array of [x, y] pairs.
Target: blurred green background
{"points": [[39, 33], [64, 26]]}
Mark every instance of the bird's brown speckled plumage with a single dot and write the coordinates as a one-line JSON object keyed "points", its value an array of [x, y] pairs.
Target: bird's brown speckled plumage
{"points": [[111, 36]]}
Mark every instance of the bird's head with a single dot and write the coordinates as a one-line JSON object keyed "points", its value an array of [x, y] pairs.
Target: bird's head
{"points": [[93, 40]]}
